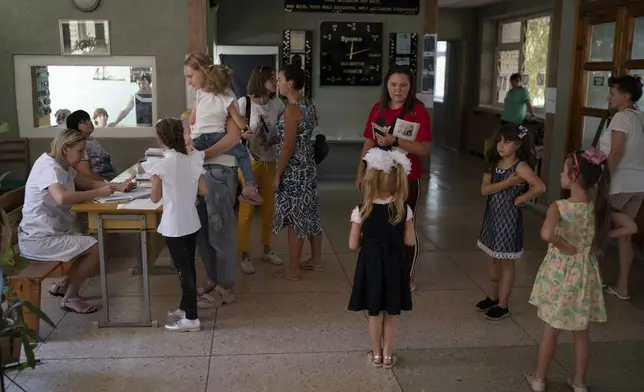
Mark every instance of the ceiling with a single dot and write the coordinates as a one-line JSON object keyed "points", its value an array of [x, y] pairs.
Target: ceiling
{"points": [[465, 3]]}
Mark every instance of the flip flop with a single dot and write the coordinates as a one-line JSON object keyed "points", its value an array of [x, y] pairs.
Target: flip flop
{"points": [[87, 310], [55, 290], [612, 291], [308, 266]]}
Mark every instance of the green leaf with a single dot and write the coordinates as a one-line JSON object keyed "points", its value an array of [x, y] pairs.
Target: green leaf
{"points": [[29, 351], [4, 128], [33, 309]]}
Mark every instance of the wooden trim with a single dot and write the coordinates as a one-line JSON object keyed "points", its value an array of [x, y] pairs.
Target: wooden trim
{"points": [[592, 112], [598, 66], [197, 26], [633, 64], [593, 6]]}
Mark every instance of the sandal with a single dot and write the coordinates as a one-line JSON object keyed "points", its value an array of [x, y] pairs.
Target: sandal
{"points": [[57, 290], [309, 266], [375, 360], [611, 290], [391, 359], [575, 387], [536, 384], [207, 289], [87, 309]]}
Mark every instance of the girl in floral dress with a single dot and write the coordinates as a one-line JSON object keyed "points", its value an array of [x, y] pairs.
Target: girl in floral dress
{"points": [[568, 290]]}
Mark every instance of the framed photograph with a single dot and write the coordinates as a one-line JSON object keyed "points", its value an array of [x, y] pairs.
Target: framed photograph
{"points": [[84, 37]]}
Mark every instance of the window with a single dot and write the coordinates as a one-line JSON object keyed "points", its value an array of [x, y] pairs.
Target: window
{"points": [[441, 71], [523, 48], [122, 86]]}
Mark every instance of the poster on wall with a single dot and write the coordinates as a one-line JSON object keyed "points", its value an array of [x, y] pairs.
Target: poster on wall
{"points": [[429, 64], [392, 7], [297, 50], [403, 51]]}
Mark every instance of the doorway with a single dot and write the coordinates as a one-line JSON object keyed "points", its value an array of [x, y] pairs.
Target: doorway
{"points": [[243, 60], [448, 97], [611, 43]]}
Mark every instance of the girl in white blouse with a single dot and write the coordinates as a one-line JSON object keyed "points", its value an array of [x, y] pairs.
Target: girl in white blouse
{"points": [[47, 231], [175, 180]]}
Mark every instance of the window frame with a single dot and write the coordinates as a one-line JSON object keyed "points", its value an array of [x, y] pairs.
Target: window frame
{"points": [[501, 47], [444, 54]]}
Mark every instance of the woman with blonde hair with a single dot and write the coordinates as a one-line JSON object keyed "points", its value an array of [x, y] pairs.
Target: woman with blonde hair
{"points": [[47, 231], [216, 238]]}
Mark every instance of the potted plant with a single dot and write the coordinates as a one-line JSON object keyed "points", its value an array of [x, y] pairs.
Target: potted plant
{"points": [[14, 332]]}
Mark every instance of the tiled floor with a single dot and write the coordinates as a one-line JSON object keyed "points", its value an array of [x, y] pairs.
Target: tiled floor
{"points": [[285, 336]]}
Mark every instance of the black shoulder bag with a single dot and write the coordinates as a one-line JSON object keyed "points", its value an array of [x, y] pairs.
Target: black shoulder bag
{"points": [[320, 145]]}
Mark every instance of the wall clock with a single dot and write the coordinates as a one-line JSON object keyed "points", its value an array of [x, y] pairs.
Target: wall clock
{"points": [[86, 5], [350, 54]]}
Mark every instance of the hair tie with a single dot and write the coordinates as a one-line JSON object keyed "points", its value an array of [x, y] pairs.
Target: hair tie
{"points": [[522, 131], [594, 156], [384, 160]]}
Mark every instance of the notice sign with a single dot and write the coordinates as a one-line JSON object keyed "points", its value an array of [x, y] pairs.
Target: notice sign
{"points": [[394, 7]]}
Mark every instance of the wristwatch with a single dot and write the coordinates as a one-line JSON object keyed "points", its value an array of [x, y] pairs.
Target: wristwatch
{"points": [[396, 142]]}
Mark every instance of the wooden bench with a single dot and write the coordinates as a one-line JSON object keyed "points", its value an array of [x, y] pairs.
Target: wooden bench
{"points": [[25, 281]]}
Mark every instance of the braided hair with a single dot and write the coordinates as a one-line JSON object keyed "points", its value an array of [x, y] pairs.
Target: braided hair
{"points": [[170, 134]]}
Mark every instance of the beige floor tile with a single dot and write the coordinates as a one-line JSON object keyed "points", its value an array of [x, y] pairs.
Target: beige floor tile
{"points": [[332, 279], [280, 244], [320, 372], [51, 307], [476, 265], [289, 323], [614, 366], [448, 319], [77, 337], [472, 369], [117, 375], [433, 215]]}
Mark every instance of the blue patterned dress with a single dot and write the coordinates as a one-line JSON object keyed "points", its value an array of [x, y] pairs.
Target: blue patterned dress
{"points": [[502, 232], [296, 201]]}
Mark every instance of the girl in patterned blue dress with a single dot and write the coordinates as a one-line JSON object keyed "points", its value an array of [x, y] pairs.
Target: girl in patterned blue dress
{"points": [[295, 184], [508, 183]]}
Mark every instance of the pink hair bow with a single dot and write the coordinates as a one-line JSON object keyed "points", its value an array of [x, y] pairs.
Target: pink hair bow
{"points": [[594, 156]]}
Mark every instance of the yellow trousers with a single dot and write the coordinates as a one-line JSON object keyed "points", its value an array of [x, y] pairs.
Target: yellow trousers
{"points": [[264, 174]]}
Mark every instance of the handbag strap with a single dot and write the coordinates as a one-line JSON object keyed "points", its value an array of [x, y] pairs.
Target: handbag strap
{"points": [[600, 129]]}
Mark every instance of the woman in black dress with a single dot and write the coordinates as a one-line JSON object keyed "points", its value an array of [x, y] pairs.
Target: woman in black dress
{"points": [[381, 226]]}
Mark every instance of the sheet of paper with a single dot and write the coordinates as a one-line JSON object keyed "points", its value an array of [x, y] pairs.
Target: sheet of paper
{"points": [[406, 130], [138, 193], [144, 176], [154, 152], [140, 204], [551, 100]]}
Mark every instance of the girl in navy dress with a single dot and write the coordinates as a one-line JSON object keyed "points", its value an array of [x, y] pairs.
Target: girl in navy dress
{"points": [[509, 182], [382, 226]]}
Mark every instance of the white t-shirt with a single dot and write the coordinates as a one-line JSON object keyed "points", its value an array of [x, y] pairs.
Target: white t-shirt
{"points": [[179, 175], [41, 215], [212, 113], [270, 112], [628, 177]]}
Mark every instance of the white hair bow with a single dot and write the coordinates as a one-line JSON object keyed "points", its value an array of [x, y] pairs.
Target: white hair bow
{"points": [[384, 160]]}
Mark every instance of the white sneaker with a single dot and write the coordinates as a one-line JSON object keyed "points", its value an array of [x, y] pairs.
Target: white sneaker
{"points": [[184, 325], [247, 266], [176, 315], [272, 258]]}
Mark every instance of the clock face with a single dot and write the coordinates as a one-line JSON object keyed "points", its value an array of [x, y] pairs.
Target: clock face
{"points": [[350, 54]]}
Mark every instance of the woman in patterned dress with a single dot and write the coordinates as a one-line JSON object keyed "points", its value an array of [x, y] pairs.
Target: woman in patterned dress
{"points": [[568, 290], [295, 184]]}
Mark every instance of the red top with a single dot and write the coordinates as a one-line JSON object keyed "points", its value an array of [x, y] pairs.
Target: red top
{"points": [[417, 115]]}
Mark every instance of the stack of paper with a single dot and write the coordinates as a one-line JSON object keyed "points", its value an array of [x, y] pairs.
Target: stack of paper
{"points": [[121, 196], [144, 177], [140, 204]]}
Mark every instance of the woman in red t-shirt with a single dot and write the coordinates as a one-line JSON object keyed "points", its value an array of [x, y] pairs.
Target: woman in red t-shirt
{"points": [[406, 125]]}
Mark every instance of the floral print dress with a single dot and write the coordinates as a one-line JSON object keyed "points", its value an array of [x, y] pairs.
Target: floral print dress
{"points": [[568, 290]]}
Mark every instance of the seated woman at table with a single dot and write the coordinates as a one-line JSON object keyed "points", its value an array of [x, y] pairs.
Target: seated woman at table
{"points": [[47, 232], [96, 163]]}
